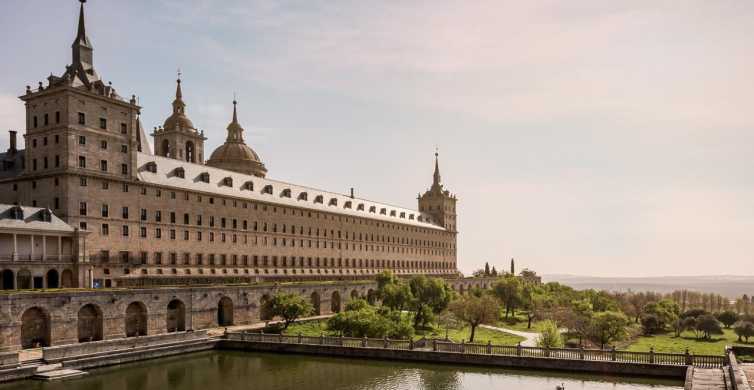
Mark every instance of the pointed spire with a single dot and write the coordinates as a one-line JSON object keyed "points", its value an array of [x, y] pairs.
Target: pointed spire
{"points": [[436, 177], [81, 36], [82, 48], [178, 105], [235, 115], [235, 131]]}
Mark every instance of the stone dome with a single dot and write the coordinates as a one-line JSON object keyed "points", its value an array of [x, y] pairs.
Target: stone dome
{"points": [[178, 121], [235, 155]]}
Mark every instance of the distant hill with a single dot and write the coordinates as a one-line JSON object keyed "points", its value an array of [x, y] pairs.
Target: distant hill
{"points": [[727, 285]]}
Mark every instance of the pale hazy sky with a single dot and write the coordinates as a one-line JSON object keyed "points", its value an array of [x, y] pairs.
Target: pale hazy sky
{"points": [[587, 137]]}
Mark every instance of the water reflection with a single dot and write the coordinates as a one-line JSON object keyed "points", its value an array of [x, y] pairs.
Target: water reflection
{"points": [[229, 370]]}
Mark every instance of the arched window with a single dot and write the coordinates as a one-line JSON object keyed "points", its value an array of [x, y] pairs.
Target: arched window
{"points": [[319, 199], [333, 202], [383, 211], [228, 181], [179, 172], [190, 152], [360, 207], [204, 176], [372, 209], [249, 186], [267, 189], [165, 148], [347, 205], [286, 193], [151, 167], [303, 196]]}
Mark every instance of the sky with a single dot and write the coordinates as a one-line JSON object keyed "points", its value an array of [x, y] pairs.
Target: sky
{"points": [[591, 137]]}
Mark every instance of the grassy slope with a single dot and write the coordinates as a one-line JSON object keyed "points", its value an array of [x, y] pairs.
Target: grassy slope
{"points": [[315, 328], [669, 343]]}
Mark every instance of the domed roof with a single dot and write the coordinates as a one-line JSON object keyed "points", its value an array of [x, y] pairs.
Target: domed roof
{"points": [[235, 155], [178, 120]]}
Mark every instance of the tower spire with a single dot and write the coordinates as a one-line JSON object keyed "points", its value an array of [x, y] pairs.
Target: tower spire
{"points": [[82, 48], [235, 131], [436, 177], [235, 116], [178, 105]]}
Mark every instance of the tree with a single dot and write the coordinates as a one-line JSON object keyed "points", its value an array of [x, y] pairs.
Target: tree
{"points": [[508, 291], [448, 320], [430, 296], [708, 325], [474, 311], [289, 307], [549, 337], [486, 269], [728, 318], [494, 271], [368, 321], [576, 317], [650, 324], [608, 326], [393, 292], [665, 312], [744, 329], [536, 302]]}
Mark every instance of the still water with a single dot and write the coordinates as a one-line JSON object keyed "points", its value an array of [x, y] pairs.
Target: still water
{"points": [[229, 370]]}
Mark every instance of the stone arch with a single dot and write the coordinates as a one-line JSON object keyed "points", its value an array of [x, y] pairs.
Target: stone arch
{"points": [[264, 311], [53, 279], [66, 278], [190, 152], [354, 294], [176, 316], [165, 148], [136, 319], [371, 296], [335, 302], [225, 312], [90, 323], [7, 280], [35, 328], [23, 279], [315, 303]]}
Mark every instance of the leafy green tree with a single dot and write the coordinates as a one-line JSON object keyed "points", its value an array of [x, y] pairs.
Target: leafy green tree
{"points": [[728, 318], [665, 312], [608, 326], [396, 295], [356, 304], [474, 311], [549, 337], [708, 325], [289, 307], [536, 302], [650, 324], [430, 296], [486, 269], [744, 329], [368, 321], [508, 291]]}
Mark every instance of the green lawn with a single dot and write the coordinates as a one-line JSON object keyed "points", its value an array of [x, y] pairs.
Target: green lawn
{"points": [[315, 328], [669, 343], [519, 323]]}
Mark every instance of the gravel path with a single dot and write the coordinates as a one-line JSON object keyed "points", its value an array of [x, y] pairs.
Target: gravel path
{"points": [[531, 337]]}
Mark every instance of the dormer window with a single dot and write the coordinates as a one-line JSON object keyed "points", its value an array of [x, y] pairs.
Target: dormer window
{"points": [[403, 215], [383, 211], [347, 205], [45, 215], [248, 186], [286, 193], [151, 167], [228, 181], [267, 189], [421, 219], [333, 202], [17, 212], [411, 217], [319, 199], [372, 209], [204, 177], [303, 196], [392, 213], [179, 172], [360, 207]]}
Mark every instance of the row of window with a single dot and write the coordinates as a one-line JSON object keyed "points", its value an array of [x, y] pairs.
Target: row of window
{"points": [[199, 259], [81, 121]]}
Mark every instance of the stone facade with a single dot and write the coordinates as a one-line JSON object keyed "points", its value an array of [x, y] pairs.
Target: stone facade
{"points": [[168, 218]]}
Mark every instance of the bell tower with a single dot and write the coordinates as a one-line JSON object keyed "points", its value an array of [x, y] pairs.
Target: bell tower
{"points": [[439, 202], [178, 138]]}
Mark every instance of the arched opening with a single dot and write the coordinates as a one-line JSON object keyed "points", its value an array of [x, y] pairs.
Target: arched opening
{"points": [[52, 279], [7, 280], [176, 316], [264, 310], [165, 148], [354, 294], [371, 296], [23, 279], [90, 323], [315, 303], [335, 302], [136, 319], [225, 312], [66, 278], [190, 152], [35, 328]]}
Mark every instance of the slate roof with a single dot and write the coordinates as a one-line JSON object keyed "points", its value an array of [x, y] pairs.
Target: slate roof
{"points": [[33, 218]]}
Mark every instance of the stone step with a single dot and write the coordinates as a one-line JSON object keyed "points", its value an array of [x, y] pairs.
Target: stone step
{"points": [[49, 367], [54, 375]]}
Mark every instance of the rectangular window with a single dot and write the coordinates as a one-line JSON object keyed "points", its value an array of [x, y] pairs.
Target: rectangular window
{"points": [[103, 165], [82, 162], [125, 230], [158, 258], [57, 203], [185, 219], [143, 214], [172, 217], [124, 169], [143, 232], [105, 185], [57, 138], [82, 181], [125, 213], [124, 148], [125, 187], [198, 236], [34, 164], [157, 233], [82, 208], [123, 128], [103, 145], [105, 210], [57, 161], [199, 220], [35, 121], [185, 235], [172, 234], [105, 229], [103, 123], [44, 163], [82, 118], [158, 216], [57, 116]]}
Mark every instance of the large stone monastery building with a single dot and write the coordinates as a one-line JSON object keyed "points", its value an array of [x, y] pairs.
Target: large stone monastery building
{"points": [[172, 217]]}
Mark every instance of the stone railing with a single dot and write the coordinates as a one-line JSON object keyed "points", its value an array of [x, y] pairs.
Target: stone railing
{"points": [[63, 352], [651, 357]]}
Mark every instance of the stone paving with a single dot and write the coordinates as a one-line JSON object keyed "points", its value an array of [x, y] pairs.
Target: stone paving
{"points": [[748, 369], [709, 379]]}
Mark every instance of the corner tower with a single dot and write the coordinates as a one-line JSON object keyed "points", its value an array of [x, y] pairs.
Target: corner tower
{"points": [[178, 138], [439, 202]]}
